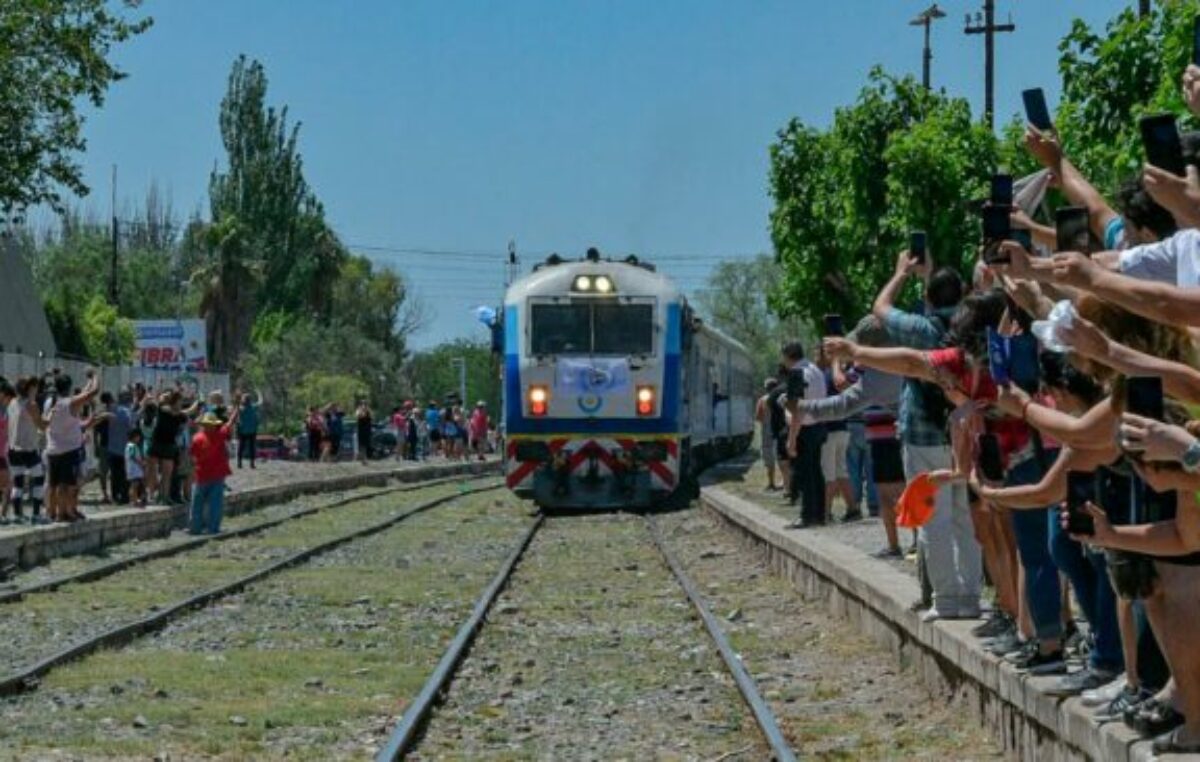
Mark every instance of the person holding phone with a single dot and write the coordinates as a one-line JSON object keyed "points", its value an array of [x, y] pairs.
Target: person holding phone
{"points": [[875, 394], [805, 437]]}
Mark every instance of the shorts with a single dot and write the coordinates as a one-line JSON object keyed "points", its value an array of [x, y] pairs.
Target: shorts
{"points": [[768, 449], [435, 436], [833, 456], [3, 463], [887, 463], [164, 450], [64, 469]]}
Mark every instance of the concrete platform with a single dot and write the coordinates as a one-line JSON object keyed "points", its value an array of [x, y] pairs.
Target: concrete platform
{"points": [[876, 597], [29, 546]]}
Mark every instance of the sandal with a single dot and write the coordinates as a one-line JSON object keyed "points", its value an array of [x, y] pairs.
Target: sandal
{"points": [[1170, 744], [1153, 717]]}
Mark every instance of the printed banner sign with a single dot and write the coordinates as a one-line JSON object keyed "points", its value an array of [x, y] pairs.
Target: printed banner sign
{"points": [[171, 345]]}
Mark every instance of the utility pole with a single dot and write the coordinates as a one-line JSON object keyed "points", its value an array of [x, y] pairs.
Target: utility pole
{"points": [[985, 24], [925, 18], [112, 266]]}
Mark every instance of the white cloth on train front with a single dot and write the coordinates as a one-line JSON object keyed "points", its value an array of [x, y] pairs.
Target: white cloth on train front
{"points": [[591, 375]]}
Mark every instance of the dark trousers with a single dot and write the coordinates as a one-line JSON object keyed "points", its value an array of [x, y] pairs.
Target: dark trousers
{"points": [[247, 448], [808, 482], [119, 483]]}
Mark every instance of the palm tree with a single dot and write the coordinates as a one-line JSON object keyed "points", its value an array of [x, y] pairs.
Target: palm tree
{"points": [[228, 280]]}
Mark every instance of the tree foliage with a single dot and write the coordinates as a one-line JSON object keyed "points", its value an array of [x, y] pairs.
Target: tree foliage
{"points": [[107, 337], [54, 56], [734, 302], [1112, 78], [431, 375], [898, 158], [276, 364]]}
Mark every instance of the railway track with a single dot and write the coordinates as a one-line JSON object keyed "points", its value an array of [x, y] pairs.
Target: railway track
{"points": [[28, 677], [107, 569], [409, 731]]}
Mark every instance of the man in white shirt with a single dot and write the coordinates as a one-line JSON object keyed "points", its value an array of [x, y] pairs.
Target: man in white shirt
{"points": [[805, 381]]}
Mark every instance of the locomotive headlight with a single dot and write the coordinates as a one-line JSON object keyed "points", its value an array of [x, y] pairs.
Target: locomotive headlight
{"points": [[583, 283], [603, 285], [645, 400], [539, 398]]}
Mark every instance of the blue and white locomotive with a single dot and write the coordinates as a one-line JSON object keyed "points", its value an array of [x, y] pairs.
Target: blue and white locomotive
{"points": [[615, 393]]}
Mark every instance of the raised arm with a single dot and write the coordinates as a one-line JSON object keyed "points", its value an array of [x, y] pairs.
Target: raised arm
{"points": [[1094, 430], [899, 361], [1046, 149], [839, 406], [89, 391], [906, 266], [1179, 381], [1160, 302]]}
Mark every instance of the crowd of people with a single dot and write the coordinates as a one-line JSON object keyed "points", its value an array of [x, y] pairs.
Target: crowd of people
{"points": [[1052, 405], [164, 447], [417, 432]]}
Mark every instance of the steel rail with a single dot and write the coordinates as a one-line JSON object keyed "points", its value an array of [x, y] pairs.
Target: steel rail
{"points": [[745, 683], [113, 567], [406, 733], [27, 678]]}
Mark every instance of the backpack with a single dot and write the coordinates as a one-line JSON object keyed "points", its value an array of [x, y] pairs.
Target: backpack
{"points": [[933, 399]]}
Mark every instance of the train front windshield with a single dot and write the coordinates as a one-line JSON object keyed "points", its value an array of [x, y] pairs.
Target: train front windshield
{"points": [[592, 329]]}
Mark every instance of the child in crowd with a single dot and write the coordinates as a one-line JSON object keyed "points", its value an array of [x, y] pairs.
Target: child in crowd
{"points": [[135, 468]]}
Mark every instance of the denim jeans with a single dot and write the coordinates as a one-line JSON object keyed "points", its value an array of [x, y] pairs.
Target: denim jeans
{"points": [[1088, 571], [858, 458], [1043, 595], [211, 495]]}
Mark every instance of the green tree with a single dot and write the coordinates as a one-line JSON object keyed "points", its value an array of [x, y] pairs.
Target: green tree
{"points": [[431, 374], [369, 301], [734, 301], [1112, 78], [55, 55], [294, 348], [899, 158], [321, 389], [107, 337], [266, 219]]}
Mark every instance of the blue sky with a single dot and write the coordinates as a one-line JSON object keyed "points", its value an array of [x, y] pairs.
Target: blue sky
{"points": [[450, 126]]}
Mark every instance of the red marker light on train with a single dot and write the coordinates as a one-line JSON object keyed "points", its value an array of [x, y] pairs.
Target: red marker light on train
{"points": [[645, 400], [539, 399]]}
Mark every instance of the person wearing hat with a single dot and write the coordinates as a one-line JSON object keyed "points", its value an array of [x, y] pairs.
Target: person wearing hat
{"points": [[478, 427], [210, 459]]}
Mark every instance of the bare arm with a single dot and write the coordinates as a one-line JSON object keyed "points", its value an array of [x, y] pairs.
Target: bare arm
{"points": [[1094, 430], [1053, 486], [905, 266], [899, 361], [1160, 302], [1179, 381]]}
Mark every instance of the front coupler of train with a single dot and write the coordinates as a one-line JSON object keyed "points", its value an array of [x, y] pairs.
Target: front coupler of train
{"points": [[583, 472]]}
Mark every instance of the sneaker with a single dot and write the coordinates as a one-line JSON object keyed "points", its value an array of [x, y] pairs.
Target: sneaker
{"points": [[886, 553], [1033, 661], [1104, 695], [933, 615], [1152, 717], [998, 623], [1003, 645], [1128, 698], [1088, 678], [852, 516]]}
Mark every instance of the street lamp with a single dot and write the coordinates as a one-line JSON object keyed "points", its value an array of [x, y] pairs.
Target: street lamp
{"points": [[925, 18]]}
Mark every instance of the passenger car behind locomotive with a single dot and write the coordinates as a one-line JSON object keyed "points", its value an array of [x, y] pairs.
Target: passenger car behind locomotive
{"points": [[615, 393]]}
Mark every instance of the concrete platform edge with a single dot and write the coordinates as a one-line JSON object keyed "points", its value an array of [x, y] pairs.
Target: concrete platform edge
{"points": [[41, 544], [876, 599]]}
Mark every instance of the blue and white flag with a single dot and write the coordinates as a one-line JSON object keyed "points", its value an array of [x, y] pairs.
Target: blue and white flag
{"points": [[591, 376]]}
